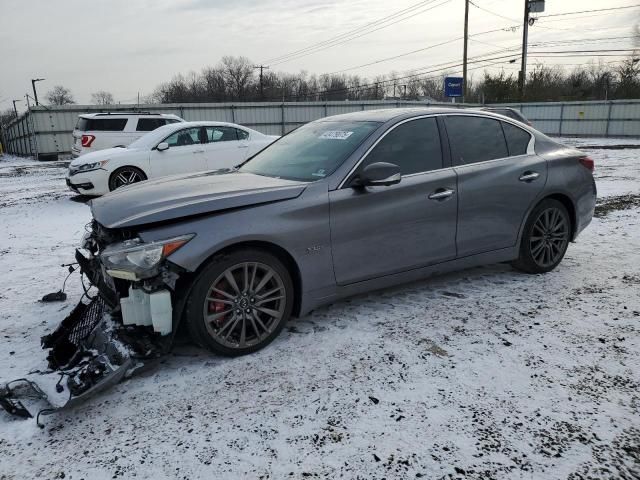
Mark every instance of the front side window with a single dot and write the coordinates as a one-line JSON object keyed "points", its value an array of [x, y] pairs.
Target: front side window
{"points": [[414, 146], [517, 139], [149, 124], [181, 138], [311, 152], [221, 134], [475, 139]]}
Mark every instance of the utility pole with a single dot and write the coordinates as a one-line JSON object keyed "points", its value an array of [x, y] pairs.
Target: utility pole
{"points": [[525, 40], [33, 85], [262, 67], [464, 55], [15, 110]]}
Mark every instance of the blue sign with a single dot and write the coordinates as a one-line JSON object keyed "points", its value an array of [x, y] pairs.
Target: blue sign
{"points": [[453, 86]]}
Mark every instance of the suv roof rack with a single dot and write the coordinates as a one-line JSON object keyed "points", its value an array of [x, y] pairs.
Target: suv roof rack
{"points": [[127, 113]]}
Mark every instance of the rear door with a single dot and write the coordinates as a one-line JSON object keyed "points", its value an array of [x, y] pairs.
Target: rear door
{"points": [[378, 231], [225, 147], [499, 178], [184, 155]]}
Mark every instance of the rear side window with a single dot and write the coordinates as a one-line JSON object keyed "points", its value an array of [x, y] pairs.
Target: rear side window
{"points": [[242, 135], [104, 124], [413, 146], [517, 139], [149, 124], [221, 134], [475, 139]]}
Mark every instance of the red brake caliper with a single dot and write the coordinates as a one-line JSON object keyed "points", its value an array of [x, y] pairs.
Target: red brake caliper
{"points": [[217, 307]]}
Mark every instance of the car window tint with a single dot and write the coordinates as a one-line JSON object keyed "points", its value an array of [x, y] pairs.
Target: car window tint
{"points": [[242, 134], [221, 134], [105, 124], [189, 136], [475, 139], [517, 139], [414, 146], [149, 124]]}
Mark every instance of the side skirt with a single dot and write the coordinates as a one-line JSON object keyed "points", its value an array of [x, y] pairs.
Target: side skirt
{"points": [[314, 299]]}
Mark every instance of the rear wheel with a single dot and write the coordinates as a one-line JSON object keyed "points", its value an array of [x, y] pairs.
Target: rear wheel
{"points": [[240, 302], [125, 176], [545, 238]]}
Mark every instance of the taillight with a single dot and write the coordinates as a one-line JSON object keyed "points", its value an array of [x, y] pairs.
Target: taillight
{"points": [[87, 140], [587, 163]]}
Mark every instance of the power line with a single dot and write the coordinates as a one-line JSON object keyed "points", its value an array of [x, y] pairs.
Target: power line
{"points": [[588, 11], [493, 13], [351, 32], [318, 49], [418, 50]]}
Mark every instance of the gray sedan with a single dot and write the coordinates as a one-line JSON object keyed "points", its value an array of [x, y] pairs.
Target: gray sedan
{"points": [[341, 206]]}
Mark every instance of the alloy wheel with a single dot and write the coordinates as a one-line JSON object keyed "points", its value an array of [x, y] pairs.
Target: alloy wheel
{"points": [[549, 237], [244, 304], [126, 177]]}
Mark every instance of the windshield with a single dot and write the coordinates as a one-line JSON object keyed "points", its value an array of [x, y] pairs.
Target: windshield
{"points": [[154, 137], [311, 152]]}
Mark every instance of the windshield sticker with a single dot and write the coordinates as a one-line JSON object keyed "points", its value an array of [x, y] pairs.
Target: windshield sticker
{"points": [[320, 173], [336, 134]]}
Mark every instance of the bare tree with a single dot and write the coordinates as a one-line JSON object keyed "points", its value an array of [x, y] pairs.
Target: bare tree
{"points": [[102, 98], [7, 116], [59, 95], [238, 72]]}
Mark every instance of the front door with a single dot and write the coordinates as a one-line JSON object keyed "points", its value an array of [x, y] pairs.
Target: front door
{"points": [[184, 155], [499, 179], [377, 231]]}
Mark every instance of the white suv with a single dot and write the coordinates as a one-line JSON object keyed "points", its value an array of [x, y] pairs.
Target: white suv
{"points": [[97, 131]]}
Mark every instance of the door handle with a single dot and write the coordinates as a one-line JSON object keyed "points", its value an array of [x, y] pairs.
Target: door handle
{"points": [[529, 176], [243, 146], [198, 151], [441, 194]]}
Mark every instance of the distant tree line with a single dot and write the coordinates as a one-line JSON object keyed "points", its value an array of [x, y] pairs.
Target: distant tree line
{"points": [[236, 80]]}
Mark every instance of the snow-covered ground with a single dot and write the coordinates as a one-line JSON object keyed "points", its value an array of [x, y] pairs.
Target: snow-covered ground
{"points": [[485, 373]]}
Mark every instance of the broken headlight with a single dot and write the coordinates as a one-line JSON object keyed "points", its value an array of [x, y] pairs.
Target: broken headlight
{"points": [[134, 259]]}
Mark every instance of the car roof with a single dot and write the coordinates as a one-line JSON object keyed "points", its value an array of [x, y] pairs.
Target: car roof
{"points": [[127, 114], [387, 114]]}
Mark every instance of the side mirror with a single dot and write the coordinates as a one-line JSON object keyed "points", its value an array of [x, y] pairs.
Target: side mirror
{"points": [[162, 146], [379, 174]]}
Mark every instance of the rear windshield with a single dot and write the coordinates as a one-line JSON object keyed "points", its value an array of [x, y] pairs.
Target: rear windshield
{"points": [[311, 152], [101, 124]]}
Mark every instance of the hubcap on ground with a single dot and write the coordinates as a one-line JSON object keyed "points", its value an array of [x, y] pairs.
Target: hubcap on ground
{"points": [[549, 237], [126, 177], [244, 304]]}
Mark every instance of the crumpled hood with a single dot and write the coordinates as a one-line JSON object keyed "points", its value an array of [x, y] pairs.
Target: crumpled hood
{"points": [[106, 154], [174, 197]]}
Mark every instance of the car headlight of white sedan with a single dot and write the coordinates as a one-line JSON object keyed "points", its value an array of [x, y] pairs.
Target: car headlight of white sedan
{"points": [[87, 167]]}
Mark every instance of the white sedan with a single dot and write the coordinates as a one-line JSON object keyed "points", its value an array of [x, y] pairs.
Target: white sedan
{"points": [[173, 149]]}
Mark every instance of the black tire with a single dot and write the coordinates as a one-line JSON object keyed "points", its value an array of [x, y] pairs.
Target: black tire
{"points": [[247, 306], [131, 174], [545, 238]]}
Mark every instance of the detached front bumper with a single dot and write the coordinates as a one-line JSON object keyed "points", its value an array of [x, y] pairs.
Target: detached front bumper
{"points": [[92, 349]]}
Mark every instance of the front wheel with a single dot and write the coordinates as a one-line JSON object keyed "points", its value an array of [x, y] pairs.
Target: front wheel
{"points": [[545, 238], [125, 176], [240, 302]]}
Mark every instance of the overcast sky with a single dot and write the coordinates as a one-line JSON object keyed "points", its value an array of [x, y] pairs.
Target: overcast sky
{"points": [[130, 46]]}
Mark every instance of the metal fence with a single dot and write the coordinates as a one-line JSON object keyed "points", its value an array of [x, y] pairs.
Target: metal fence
{"points": [[45, 131]]}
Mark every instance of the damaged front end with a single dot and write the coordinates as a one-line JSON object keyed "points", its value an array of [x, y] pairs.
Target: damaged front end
{"points": [[111, 334]]}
